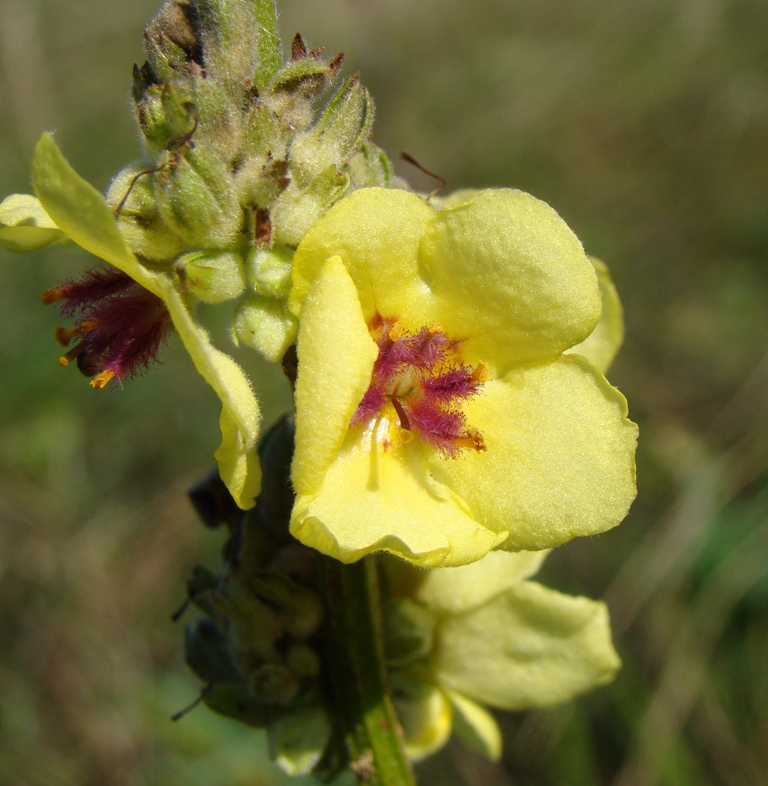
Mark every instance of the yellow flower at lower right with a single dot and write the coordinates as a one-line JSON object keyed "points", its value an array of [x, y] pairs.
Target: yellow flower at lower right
{"points": [[484, 635]]}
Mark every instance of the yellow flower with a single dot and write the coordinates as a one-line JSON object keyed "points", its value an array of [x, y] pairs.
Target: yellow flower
{"points": [[484, 635], [438, 414], [70, 208]]}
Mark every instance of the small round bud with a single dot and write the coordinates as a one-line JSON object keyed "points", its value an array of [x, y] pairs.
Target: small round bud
{"points": [[210, 276]]}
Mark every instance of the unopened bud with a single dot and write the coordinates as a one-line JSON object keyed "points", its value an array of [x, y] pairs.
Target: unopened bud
{"points": [[274, 683], [264, 324], [210, 276], [132, 195], [195, 197]]}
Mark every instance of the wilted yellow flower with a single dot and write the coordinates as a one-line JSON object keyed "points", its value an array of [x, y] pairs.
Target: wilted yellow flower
{"points": [[438, 414], [67, 207], [461, 639]]}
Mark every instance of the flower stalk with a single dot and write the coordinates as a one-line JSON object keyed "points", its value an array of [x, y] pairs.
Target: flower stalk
{"points": [[358, 676]]}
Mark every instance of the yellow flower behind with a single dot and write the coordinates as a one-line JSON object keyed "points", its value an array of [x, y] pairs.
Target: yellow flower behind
{"points": [[438, 414], [485, 635]]}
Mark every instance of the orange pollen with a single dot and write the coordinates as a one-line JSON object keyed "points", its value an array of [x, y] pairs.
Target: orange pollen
{"points": [[73, 354], [480, 374], [396, 331], [52, 296], [472, 439], [435, 328], [65, 335], [101, 380]]}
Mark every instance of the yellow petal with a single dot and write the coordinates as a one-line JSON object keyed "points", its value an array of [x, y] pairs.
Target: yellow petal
{"points": [[458, 589], [81, 212], [510, 277], [336, 357], [25, 226], [529, 647], [475, 725], [426, 721], [376, 232], [605, 340], [375, 500], [560, 455]]}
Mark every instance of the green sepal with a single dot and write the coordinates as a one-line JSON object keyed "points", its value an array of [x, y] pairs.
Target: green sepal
{"points": [[234, 700], [308, 73], [269, 43]]}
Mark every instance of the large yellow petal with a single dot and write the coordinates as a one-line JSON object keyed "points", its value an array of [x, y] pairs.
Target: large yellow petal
{"points": [[336, 357], [373, 499], [510, 277], [529, 647], [376, 231], [80, 211], [559, 460]]}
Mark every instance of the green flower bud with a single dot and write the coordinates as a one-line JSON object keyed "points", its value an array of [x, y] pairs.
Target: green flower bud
{"points": [[132, 195], [207, 653], [300, 609], [238, 42], [339, 134], [172, 41], [303, 661], [274, 683], [234, 700], [195, 197], [264, 324], [295, 210], [269, 271], [370, 167], [213, 277]]}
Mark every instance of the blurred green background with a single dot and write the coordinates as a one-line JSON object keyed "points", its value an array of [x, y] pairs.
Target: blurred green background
{"points": [[645, 124]]}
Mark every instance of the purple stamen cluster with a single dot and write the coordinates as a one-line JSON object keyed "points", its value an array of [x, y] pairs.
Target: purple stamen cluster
{"points": [[120, 325], [423, 378]]}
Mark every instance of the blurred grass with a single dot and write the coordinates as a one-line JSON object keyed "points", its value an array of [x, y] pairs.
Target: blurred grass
{"points": [[645, 125]]}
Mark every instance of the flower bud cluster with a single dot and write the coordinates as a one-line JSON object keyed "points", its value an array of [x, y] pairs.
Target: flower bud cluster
{"points": [[237, 163], [258, 646]]}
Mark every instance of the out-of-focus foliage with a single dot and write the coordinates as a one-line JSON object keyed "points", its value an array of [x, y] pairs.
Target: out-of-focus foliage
{"points": [[644, 124]]}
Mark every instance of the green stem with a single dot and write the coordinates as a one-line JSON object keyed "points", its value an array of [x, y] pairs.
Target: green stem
{"points": [[358, 674]]}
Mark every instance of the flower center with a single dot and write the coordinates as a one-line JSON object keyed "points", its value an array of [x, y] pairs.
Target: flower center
{"points": [[419, 385], [119, 325]]}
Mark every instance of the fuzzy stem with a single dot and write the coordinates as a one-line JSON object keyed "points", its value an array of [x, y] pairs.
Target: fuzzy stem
{"points": [[358, 676]]}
